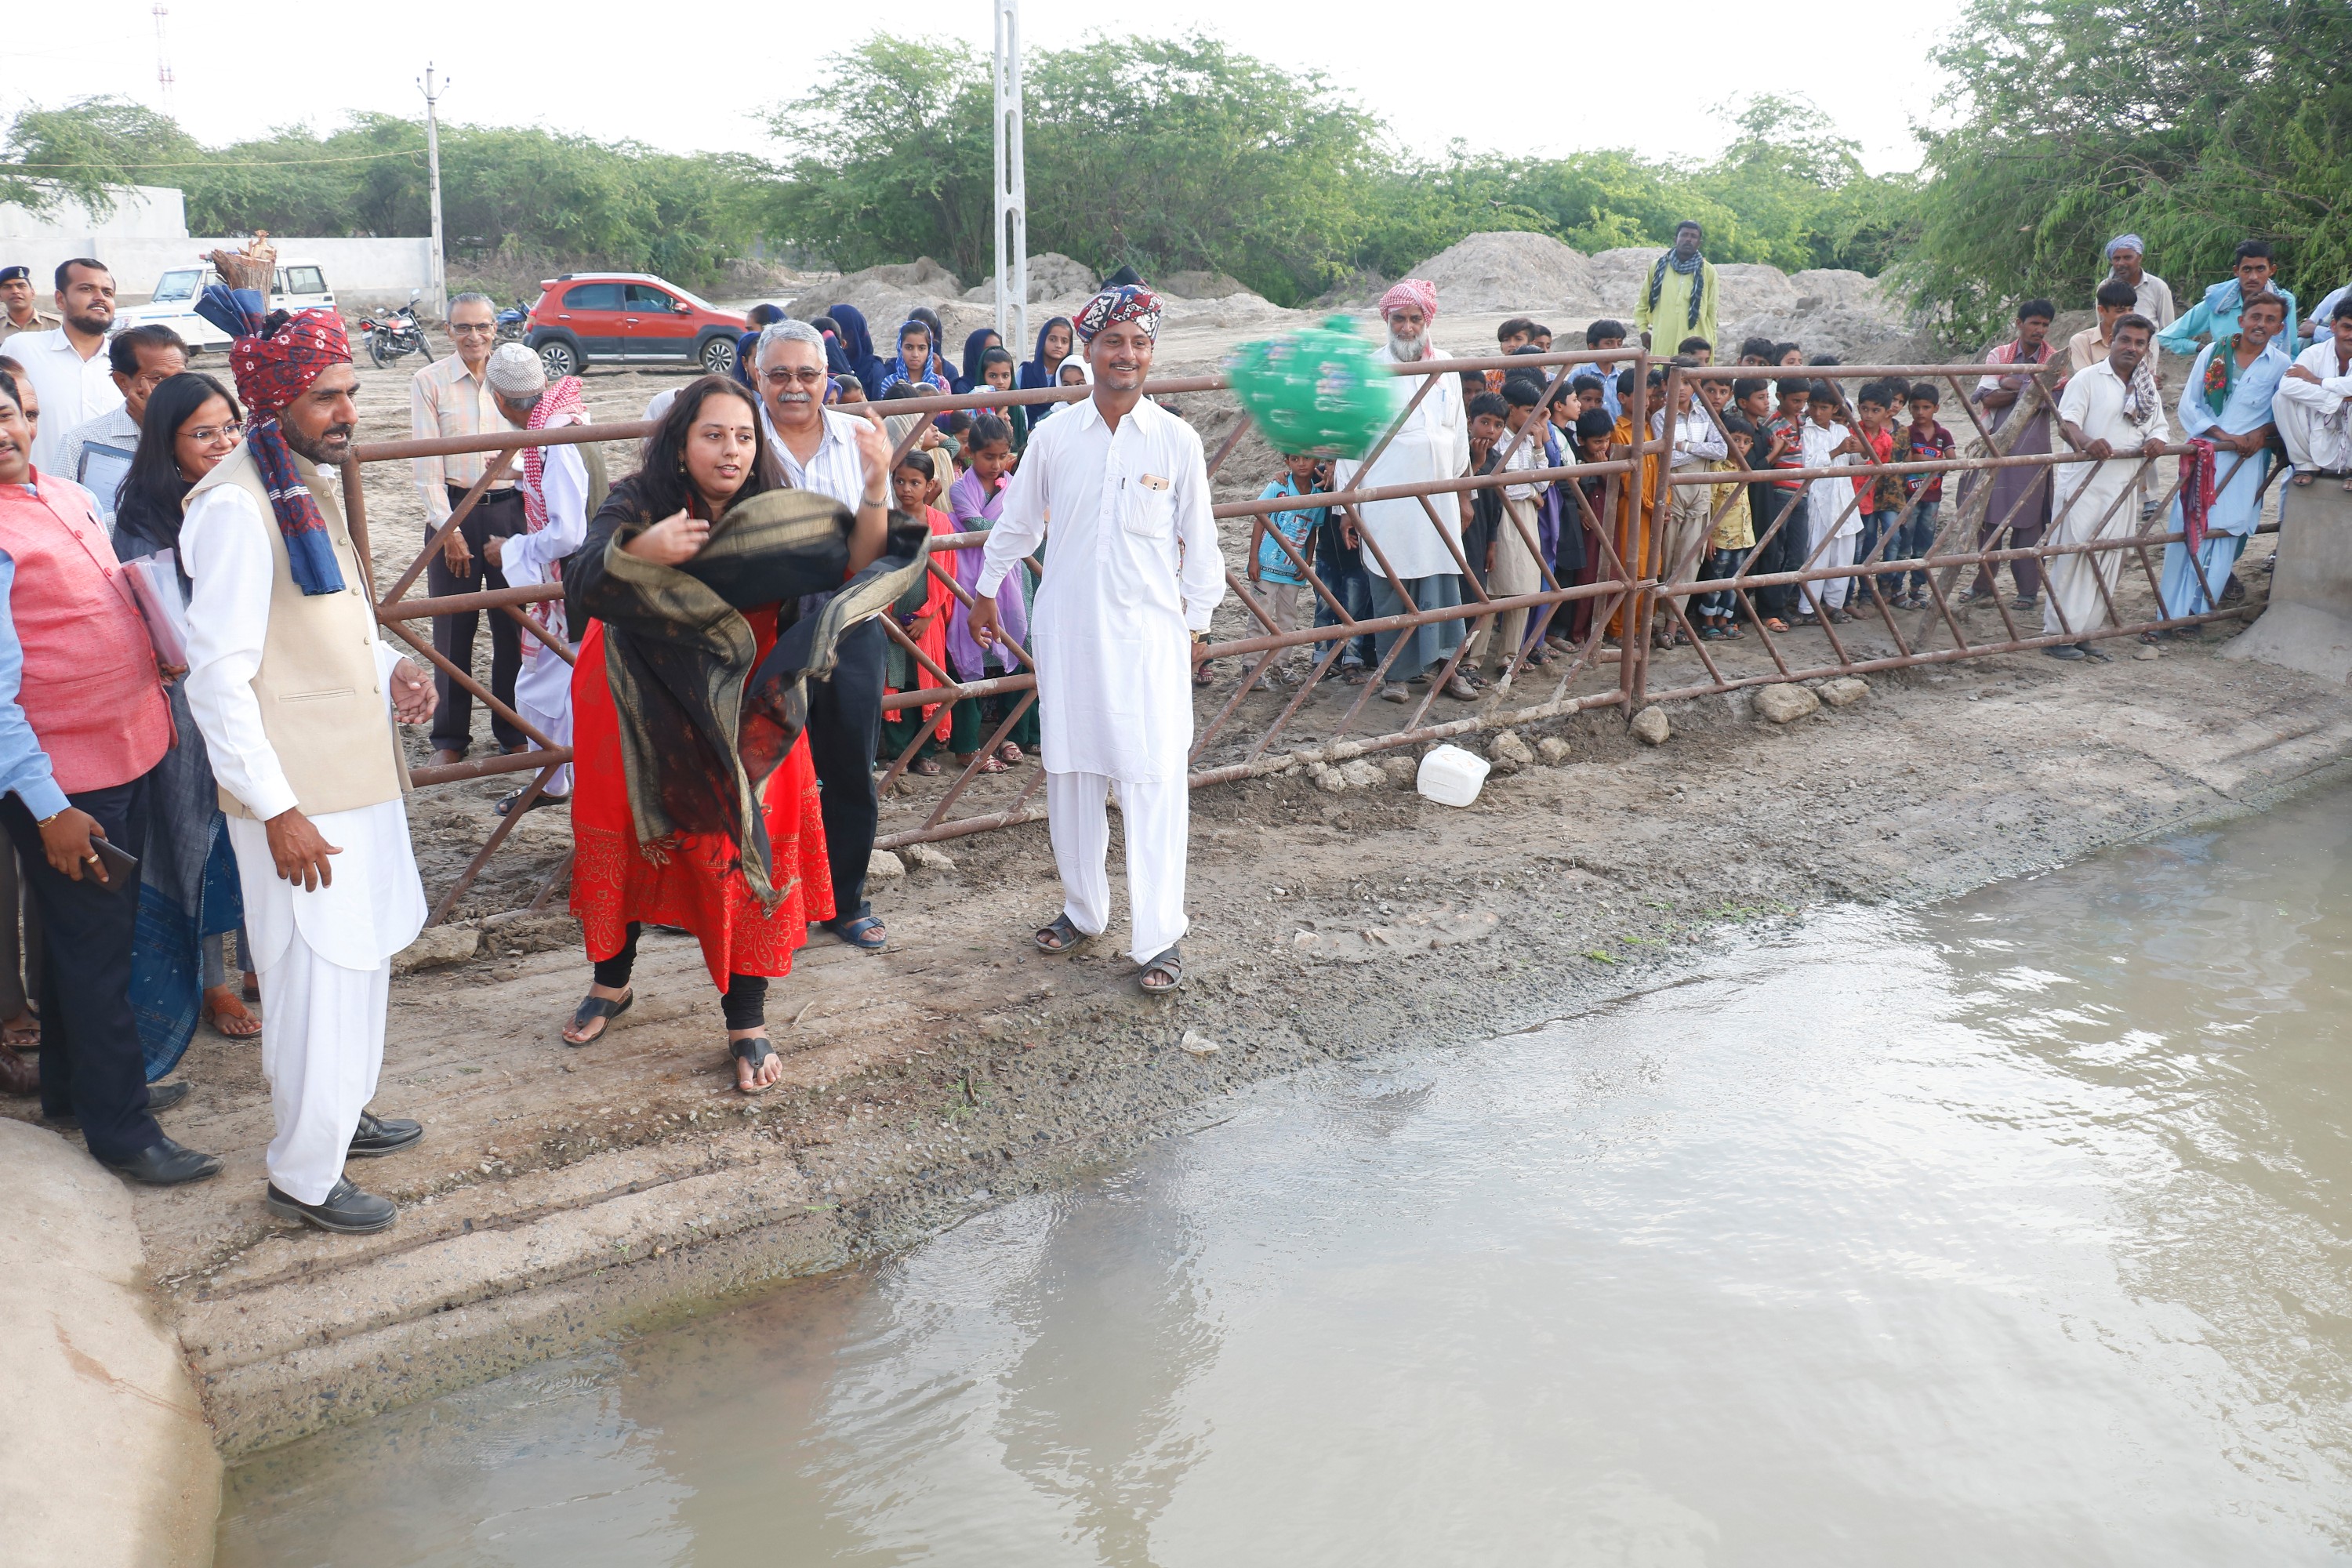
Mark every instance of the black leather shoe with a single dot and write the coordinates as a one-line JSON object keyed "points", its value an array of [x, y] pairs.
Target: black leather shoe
{"points": [[383, 1135], [164, 1163], [347, 1210]]}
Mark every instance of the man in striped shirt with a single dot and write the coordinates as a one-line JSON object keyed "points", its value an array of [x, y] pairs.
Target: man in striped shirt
{"points": [[453, 398]]}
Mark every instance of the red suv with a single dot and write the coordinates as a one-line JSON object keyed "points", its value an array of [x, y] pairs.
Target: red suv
{"points": [[627, 318]]}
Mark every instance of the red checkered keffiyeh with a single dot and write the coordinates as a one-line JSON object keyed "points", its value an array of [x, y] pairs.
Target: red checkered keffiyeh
{"points": [[560, 404]]}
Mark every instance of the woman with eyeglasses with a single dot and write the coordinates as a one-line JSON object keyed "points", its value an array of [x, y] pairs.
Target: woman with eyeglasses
{"points": [[188, 878]]}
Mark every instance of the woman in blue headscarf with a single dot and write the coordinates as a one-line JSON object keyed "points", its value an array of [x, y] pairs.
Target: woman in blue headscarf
{"points": [[1055, 339], [974, 345], [857, 347]]}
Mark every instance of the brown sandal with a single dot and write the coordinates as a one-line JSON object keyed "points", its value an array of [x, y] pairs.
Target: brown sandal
{"points": [[227, 1015]]}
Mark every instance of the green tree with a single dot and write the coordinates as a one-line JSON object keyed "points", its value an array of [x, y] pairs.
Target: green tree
{"points": [[525, 193], [87, 150], [1168, 153], [2194, 123], [891, 157]]}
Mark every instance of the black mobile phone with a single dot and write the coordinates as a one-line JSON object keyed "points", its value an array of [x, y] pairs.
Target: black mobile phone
{"points": [[117, 869]]}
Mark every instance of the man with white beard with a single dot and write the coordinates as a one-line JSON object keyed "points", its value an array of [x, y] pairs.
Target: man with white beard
{"points": [[1413, 539]]}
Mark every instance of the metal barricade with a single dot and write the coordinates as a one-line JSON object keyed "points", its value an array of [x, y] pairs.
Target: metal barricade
{"points": [[1629, 581]]}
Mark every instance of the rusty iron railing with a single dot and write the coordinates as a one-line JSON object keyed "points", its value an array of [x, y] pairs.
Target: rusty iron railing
{"points": [[1627, 581]]}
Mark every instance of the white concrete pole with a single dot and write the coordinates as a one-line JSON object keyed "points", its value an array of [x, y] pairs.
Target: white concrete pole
{"points": [[1012, 198], [437, 289]]}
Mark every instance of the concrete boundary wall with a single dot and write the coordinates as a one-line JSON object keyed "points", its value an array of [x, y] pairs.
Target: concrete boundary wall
{"points": [[106, 1460], [146, 233]]}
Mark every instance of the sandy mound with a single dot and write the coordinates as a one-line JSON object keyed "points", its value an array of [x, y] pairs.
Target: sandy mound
{"points": [[1052, 276], [1827, 310], [1201, 285], [1509, 272]]}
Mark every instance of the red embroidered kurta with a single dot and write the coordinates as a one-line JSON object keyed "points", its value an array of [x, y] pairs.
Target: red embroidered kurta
{"points": [[690, 880]]}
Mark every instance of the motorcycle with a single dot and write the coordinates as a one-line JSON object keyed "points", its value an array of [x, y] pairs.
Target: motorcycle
{"points": [[514, 321], [393, 335]]}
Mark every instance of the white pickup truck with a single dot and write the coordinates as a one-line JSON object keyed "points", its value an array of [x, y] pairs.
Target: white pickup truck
{"points": [[298, 285]]}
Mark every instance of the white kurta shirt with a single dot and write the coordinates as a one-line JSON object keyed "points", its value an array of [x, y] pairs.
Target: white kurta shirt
{"points": [[528, 560], [1134, 563], [2094, 402], [375, 905], [1434, 444], [72, 391], [1837, 513], [2327, 403]]}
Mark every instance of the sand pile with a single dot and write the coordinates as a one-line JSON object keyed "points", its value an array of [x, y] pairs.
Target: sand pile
{"points": [[1827, 310], [1486, 273], [1052, 276]]}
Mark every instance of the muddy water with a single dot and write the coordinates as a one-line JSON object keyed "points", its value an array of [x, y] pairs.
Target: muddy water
{"points": [[2014, 1230]]}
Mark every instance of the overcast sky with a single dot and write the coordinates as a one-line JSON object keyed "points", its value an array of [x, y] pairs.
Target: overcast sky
{"points": [[676, 80]]}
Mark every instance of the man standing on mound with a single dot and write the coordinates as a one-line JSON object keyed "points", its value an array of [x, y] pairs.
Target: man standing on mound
{"points": [[295, 694], [1120, 622]]}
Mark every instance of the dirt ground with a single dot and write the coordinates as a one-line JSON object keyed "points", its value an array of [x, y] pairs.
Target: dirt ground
{"points": [[564, 1195]]}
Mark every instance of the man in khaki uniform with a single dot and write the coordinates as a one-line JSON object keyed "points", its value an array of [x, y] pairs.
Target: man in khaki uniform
{"points": [[296, 694], [18, 313]]}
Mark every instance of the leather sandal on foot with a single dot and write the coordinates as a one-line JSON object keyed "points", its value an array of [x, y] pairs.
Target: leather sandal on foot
{"points": [[757, 1051], [600, 1011], [1060, 936], [862, 931], [1170, 963], [507, 803], [228, 1016]]}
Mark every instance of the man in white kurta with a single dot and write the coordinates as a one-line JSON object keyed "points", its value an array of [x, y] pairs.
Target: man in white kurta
{"points": [[330, 894], [1131, 577], [555, 510], [2115, 411], [2313, 407], [1433, 443]]}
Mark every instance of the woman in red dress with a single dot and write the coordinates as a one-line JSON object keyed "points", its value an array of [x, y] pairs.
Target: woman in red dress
{"points": [[685, 746]]}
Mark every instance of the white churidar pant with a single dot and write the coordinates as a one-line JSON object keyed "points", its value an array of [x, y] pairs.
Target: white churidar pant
{"points": [[1157, 818]]}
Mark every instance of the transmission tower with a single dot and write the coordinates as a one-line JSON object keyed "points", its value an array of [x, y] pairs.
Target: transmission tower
{"points": [[164, 57]]}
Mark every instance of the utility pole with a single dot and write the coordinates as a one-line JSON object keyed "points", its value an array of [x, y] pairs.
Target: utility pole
{"points": [[1012, 203], [437, 290]]}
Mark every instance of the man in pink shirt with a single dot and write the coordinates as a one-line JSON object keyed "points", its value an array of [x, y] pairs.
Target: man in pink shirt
{"points": [[82, 724]]}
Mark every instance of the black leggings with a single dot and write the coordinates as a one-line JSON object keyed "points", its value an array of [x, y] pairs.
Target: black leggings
{"points": [[744, 1006]]}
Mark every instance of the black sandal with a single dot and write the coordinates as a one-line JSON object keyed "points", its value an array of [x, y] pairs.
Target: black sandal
{"points": [[507, 803], [1170, 963], [594, 1008], [1060, 936], [757, 1051]]}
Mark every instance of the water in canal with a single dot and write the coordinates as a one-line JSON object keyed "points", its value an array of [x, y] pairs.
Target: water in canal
{"points": [[2010, 1231]]}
